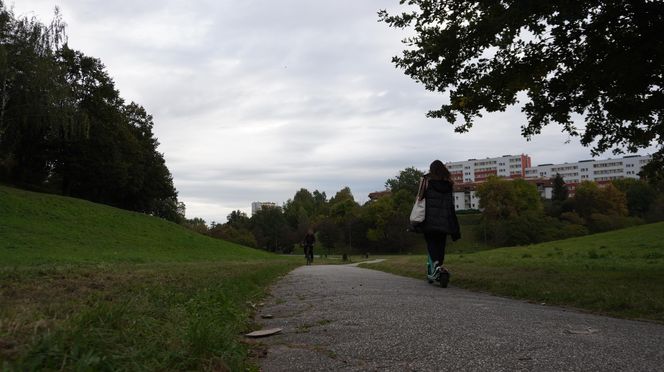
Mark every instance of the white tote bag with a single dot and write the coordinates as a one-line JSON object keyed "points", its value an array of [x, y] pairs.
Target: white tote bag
{"points": [[418, 212]]}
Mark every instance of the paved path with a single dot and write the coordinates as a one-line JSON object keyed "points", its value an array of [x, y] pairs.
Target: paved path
{"points": [[345, 318]]}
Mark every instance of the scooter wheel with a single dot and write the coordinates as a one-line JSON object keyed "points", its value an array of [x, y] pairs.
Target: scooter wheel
{"points": [[444, 279]]}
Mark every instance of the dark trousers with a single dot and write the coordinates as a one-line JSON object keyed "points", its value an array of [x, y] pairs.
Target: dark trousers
{"points": [[436, 246], [309, 251]]}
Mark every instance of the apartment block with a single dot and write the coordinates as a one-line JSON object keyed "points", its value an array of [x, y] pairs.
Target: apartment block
{"points": [[468, 174], [600, 171], [465, 198], [478, 170]]}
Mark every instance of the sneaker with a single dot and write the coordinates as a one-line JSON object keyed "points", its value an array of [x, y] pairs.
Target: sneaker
{"points": [[437, 271]]}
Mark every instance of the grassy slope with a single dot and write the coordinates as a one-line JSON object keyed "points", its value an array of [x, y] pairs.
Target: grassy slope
{"points": [[47, 229], [619, 273], [88, 286]]}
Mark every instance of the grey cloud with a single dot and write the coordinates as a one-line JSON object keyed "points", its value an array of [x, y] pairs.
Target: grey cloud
{"points": [[255, 99]]}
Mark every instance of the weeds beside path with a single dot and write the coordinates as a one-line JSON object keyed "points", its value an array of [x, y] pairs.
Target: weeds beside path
{"points": [[176, 316]]}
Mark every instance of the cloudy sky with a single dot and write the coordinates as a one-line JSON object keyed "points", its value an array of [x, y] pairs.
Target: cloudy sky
{"points": [[255, 99]]}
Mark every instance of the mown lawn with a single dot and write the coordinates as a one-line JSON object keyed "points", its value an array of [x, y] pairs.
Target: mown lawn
{"points": [[619, 273], [47, 229], [89, 287]]}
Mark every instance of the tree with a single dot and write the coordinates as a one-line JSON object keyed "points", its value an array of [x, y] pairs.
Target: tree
{"points": [[197, 224], [590, 199], [596, 58], [379, 213], [408, 179], [343, 205], [238, 219], [64, 127], [344, 210], [300, 208], [504, 199], [34, 108], [387, 219], [151, 182], [320, 202], [640, 195], [270, 229], [653, 173], [560, 191], [328, 233]]}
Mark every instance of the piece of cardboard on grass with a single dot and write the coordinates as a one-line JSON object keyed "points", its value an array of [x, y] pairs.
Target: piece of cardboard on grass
{"points": [[264, 332]]}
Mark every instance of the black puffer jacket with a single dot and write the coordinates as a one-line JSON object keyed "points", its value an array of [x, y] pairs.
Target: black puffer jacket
{"points": [[440, 214]]}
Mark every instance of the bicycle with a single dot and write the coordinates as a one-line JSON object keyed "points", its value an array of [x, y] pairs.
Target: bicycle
{"points": [[309, 254]]}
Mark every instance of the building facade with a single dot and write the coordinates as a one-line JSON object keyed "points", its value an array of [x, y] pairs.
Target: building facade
{"points": [[465, 198], [478, 170], [257, 206], [468, 174], [600, 171]]}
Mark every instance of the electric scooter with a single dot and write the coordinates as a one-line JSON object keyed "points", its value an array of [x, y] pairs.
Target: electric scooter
{"points": [[437, 273]]}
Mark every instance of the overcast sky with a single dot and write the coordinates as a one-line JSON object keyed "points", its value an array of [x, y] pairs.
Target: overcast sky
{"points": [[255, 99]]}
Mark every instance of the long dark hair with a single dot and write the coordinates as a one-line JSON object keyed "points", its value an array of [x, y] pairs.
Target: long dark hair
{"points": [[438, 171]]}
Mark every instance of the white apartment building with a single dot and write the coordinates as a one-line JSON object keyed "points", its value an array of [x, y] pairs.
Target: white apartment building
{"points": [[465, 199], [468, 174], [257, 206], [478, 170], [600, 171]]}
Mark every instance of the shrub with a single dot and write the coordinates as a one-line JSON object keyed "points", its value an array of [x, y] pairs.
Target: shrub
{"points": [[571, 230], [601, 222], [573, 218], [529, 228], [656, 212], [236, 235]]}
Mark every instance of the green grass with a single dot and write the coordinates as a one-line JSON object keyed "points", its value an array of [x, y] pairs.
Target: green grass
{"points": [[47, 229], [90, 287], [618, 273]]}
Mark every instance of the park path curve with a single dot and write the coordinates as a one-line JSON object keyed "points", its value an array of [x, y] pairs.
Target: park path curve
{"points": [[346, 318]]}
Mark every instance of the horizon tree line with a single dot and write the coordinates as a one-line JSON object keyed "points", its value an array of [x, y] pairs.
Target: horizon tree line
{"points": [[512, 212]]}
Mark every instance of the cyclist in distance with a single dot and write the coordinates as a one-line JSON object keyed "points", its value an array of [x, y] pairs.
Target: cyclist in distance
{"points": [[308, 244]]}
